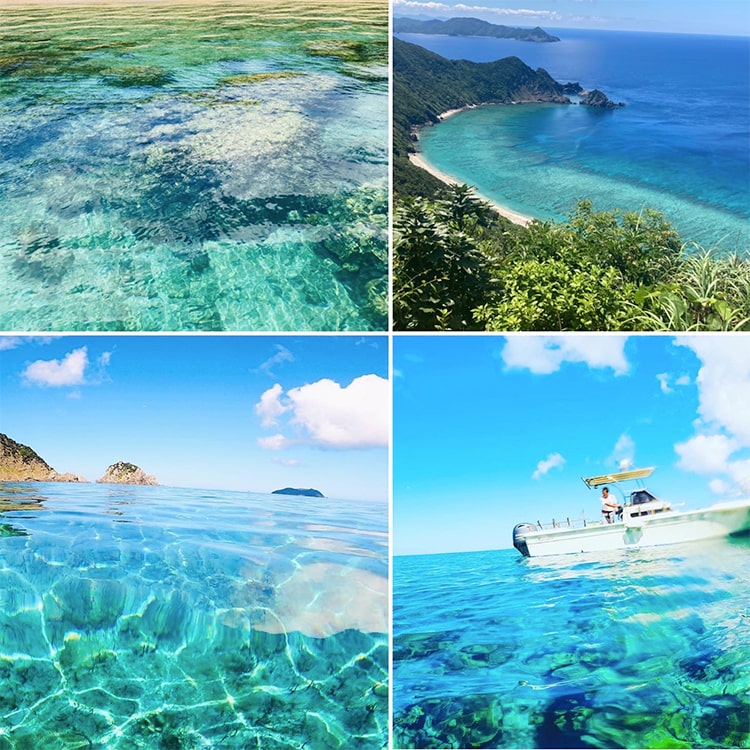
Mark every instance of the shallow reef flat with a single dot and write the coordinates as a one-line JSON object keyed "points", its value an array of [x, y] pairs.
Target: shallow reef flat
{"points": [[194, 166], [642, 648], [126, 621]]}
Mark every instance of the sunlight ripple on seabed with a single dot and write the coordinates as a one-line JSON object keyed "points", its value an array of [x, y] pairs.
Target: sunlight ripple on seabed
{"points": [[117, 629]]}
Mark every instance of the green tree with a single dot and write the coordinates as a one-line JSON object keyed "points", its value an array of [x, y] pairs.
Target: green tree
{"points": [[441, 271]]}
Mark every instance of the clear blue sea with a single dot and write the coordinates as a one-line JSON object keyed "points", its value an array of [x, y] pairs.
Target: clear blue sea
{"points": [[142, 617], [636, 649], [194, 166], [681, 145]]}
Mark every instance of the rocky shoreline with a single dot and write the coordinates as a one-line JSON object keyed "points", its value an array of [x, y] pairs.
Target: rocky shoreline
{"points": [[20, 463]]}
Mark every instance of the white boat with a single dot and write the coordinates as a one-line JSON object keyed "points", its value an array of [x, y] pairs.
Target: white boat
{"points": [[645, 521]]}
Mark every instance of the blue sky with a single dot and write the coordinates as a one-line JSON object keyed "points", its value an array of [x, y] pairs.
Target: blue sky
{"points": [[490, 431], [218, 412], [730, 17]]}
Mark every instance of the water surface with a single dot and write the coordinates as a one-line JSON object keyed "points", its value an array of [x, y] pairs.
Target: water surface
{"points": [[159, 617], [681, 145], [214, 166], [638, 648]]}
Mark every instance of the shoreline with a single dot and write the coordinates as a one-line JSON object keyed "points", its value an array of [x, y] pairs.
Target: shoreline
{"points": [[517, 218]]}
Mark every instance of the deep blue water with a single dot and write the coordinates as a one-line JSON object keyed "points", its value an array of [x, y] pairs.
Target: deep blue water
{"points": [[639, 648], [682, 144], [156, 617]]}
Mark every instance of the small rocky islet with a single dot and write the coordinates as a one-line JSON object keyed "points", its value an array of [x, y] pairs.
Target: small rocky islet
{"points": [[20, 463]]}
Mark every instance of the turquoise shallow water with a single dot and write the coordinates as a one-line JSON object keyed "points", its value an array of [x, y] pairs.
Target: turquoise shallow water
{"points": [[638, 649], [681, 145], [158, 617], [210, 166]]}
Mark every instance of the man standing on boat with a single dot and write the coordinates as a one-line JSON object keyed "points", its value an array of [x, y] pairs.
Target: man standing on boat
{"points": [[610, 508]]}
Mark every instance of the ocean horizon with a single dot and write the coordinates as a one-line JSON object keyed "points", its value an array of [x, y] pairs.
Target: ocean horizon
{"points": [[681, 145]]}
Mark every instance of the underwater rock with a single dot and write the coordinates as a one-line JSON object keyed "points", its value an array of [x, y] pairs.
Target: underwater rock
{"points": [[349, 50], [138, 75], [126, 473], [467, 721], [242, 79]]}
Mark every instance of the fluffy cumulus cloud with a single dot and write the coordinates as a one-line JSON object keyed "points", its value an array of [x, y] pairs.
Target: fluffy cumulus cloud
{"points": [[553, 461], [543, 355], [723, 381], [70, 370], [270, 406], [705, 454], [327, 414], [722, 441], [73, 369]]}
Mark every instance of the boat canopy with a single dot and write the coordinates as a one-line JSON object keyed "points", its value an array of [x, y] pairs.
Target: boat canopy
{"points": [[621, 476]]}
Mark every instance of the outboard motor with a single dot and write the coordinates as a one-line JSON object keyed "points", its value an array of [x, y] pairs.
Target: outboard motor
{"points": [[519, 537]]}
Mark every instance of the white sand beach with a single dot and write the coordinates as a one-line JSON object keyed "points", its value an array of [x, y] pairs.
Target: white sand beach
{"points": [[513, 216]]}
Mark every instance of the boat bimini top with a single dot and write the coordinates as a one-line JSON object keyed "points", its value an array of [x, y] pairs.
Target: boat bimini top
{"points": [[621, 476]]}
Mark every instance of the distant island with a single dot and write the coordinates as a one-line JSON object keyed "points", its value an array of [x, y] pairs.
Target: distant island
{"points": [[310, 492], [469, 27], [426, 86]]}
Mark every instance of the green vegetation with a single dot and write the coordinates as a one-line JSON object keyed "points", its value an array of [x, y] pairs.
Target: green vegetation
{"points": [[426, 84], [460, 266], [470, 27]]}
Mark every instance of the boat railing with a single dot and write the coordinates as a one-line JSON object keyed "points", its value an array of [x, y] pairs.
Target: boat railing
{"points": [[568, 523]]}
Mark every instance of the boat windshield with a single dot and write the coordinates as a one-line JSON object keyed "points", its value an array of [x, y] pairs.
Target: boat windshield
{"points": [[638, 497]]}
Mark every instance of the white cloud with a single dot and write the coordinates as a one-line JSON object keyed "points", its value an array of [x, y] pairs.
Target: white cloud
{"points": [[288, 462], [413, 5], [663, 379], [553, 461], [623, 454], [706, 454], [719, 486], [721, 441], [353, 417], [12, 342], [328, 415], [282, 355], [739, 471], [56, 373], [723, 382], [270, 408], [274, 442], [543, 355]]}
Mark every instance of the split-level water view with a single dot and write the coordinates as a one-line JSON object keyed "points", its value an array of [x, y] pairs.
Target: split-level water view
{"points": [[213, 166], [156, 617]]}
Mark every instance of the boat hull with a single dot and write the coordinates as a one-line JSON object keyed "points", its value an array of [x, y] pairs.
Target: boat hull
{"points": [[664, 528]]}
